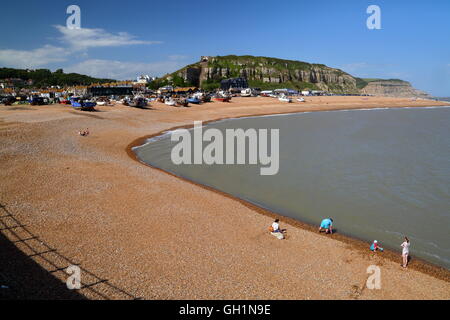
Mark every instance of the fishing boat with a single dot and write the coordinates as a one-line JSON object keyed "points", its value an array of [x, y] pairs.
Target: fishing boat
{"points": [[246, 92], [206, 98], [170, 102], [138, 102], [103, 101], [301, 100], [37, 101], [8, 100], [203, 97], [284, 98], [223, 99], [222, 96], [193, 100], [126, 101], [83, 105], [181, 103], [65, 101]]}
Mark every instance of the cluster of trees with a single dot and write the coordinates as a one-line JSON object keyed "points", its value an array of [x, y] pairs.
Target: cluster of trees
{"points": [[175, 81], [45, 78]]}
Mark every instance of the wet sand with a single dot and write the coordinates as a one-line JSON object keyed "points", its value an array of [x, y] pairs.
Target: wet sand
{"points": [[154, 236]]}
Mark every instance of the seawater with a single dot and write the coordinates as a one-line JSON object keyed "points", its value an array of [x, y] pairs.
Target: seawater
{"points": [[380, 174]]}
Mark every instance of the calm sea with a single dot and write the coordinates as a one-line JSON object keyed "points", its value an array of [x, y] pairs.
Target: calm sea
{"points": [[381, 174]]}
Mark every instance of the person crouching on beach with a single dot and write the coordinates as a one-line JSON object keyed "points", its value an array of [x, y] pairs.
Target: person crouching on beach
{"points": [[375, 246], [405, 252], [327, 225]]}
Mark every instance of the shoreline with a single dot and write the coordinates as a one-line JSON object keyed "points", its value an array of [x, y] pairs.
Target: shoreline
{"points": [[355, 243]]}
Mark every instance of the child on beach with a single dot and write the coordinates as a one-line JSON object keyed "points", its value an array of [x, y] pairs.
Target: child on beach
{"points": [[327, 225], [375, 247], [405, 252]]}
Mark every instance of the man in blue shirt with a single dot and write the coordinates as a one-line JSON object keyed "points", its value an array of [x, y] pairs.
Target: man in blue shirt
{"points": [[327, 225]]}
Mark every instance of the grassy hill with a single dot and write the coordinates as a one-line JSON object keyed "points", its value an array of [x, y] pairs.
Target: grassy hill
{"points": [[41, 78]]}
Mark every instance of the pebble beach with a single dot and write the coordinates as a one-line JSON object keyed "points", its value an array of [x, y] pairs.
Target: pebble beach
{"points": [[140, 233]]}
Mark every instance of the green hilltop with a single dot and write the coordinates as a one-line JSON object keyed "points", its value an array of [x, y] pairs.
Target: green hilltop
{"points": [[42, 78]]}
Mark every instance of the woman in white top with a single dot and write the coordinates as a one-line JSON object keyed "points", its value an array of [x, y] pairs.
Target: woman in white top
{"points": [[405, 252], [276, 226]]}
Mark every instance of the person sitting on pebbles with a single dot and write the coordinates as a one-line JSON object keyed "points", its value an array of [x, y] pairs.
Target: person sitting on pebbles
{"points": [[275, 229], [84, 133], [276, 226], [327, 225]]}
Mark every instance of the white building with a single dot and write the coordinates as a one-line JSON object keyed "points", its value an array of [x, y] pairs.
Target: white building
{"points": [[145, 79]]}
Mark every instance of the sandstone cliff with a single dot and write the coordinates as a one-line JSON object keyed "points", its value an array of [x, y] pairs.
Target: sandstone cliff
{"points": [[270, 73], [392, 88]]}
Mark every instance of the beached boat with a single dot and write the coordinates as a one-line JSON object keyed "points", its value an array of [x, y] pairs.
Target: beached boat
{"points": [[83, 105], [246, 92], [170, 102], [223, 99], [103, 101], [193, 100], [284, 98], [223, 96], [38, 101], [138, 102], [65, 101], [301, 100], [126, 101], [181, 103], [203, 97], [8, 100]]}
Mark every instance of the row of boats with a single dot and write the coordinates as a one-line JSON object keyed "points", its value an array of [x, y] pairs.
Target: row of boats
{"points": [[176, 101], [285, 98], [139, 101]]}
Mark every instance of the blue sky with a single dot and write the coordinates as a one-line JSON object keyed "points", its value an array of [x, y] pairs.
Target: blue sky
{"points": [[122, 39]]}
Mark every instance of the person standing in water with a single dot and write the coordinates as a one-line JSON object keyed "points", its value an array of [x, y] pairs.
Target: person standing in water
{"points": [[405, 252]]}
